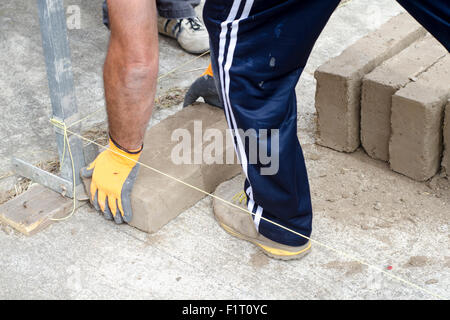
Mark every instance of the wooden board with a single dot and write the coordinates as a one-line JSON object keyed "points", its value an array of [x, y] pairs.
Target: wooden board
{"points": [[33, 210]]}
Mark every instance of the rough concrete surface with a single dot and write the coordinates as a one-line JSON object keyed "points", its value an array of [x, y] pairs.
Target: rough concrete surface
{"points": [[360, 206], [338, 95], [446, 138], [380, 85], [415, 148]]}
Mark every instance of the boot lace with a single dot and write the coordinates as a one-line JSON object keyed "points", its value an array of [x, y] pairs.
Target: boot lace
{"points": [[194, 23]]}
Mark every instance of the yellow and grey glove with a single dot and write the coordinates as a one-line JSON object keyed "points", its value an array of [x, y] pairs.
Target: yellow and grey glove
{"points": [[204, 87], [112, 175]]}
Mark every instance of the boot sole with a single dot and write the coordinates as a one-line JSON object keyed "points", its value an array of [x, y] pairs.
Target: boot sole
{"points": [[275, 253]]}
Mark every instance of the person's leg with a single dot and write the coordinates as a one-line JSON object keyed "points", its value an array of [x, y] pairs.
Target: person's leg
{"points": [[258, 52], [177, 9], [170, 9], [434, 15], [177, 19], [105, 13]]}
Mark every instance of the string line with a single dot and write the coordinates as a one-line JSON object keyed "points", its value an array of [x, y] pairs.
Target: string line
{"points": [[61, 125], [339, 252]]}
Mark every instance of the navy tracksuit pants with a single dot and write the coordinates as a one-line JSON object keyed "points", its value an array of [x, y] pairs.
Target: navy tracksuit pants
{"points": [[259, 49]]}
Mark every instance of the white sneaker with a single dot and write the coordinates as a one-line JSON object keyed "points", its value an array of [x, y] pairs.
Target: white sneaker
{"points": [[190, 33]]}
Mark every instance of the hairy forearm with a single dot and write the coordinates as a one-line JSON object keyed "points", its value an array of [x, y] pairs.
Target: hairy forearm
{"points": [[130, 73], [130, 92]]}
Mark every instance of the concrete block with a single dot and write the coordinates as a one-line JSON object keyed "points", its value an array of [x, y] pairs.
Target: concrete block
{"points": [[416, 123], [157, 199], [338, 93], [381, 84], [446, 134]]}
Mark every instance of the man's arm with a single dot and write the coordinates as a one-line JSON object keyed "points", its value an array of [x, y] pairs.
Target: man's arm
{"points": [[130, 75], [131, 70]]}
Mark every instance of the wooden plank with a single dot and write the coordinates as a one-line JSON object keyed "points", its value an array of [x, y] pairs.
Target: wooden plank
{"points": [[33, 210]]}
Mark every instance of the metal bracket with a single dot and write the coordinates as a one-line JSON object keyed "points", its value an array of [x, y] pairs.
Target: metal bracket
{"points": [[43, 177], [52, 181]]}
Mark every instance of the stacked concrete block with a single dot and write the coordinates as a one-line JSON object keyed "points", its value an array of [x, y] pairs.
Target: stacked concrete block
{"points": [[381, 84], [446, 134], [338, 93], [416, 123]]}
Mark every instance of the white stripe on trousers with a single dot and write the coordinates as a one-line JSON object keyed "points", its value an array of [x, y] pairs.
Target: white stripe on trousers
{"points": [[224, 72]]}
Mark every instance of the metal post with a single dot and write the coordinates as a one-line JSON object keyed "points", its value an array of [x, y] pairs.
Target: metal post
{"points": [[60, 79], [62, 94]]}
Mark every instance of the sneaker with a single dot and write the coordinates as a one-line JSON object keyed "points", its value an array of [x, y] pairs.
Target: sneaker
{"points": [[190, 33], [240, 224]]}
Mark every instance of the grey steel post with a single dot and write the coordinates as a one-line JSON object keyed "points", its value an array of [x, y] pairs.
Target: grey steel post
{"points": [[60, 80]]}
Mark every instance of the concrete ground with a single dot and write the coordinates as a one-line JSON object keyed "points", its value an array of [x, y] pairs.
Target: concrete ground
{"points": [[361, 207]]}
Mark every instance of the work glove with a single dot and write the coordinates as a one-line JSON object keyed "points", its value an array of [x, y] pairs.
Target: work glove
{"points": [[203, 87], [112, 175]]}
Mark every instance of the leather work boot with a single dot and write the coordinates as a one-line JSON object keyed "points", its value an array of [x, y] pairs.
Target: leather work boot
{"points": [[240, 223]]}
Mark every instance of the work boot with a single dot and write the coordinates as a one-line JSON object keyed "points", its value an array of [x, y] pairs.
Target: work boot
{"points": [[190, 33], [239, 223]]}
